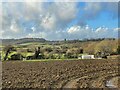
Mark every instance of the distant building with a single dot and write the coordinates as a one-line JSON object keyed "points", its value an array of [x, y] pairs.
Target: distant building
{"points": [[86, 57]]}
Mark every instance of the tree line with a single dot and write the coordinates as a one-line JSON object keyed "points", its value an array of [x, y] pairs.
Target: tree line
{"points": [[99, 49]]}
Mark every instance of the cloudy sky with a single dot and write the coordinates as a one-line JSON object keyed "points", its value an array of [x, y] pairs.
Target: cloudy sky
{"points": [[59, 20]]}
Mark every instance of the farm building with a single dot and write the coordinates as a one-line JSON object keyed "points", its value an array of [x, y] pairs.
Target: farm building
{"points": [[86, 57]]}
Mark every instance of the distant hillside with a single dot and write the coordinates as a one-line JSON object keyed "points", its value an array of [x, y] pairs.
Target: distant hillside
{"points": [[20, 41], [42, 40]]}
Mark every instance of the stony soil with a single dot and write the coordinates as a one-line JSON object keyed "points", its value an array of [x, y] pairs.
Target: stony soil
{"points": [[58, 74]]}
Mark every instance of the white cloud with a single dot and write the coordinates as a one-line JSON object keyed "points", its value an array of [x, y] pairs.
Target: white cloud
{"points": [[37, 35], [49, 22], [87, 32], [101, 29], [1, 33], [79, 32], [66, 11], [33, 29], [14, 27], [101, 32], [74, 29], [117, 29], [32, 11], [74, 32]]}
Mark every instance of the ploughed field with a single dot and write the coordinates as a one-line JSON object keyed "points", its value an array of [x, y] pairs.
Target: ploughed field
{"points": [[58, 74]]}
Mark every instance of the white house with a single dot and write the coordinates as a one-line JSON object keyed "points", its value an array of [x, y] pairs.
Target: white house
{"points": [[87, 57]]}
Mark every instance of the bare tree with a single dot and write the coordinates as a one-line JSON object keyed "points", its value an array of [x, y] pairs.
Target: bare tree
{"points": [[7, 49], [37, 52]]}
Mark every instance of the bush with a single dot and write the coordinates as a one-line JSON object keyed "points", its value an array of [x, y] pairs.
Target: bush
{"points": [[16, 57], [118, 50]]}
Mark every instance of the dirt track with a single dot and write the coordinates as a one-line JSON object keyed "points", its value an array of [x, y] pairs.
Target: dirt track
{"points": [[58, 74]]}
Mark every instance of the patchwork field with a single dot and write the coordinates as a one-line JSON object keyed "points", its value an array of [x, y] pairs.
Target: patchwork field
{"points": [[59, 74]]}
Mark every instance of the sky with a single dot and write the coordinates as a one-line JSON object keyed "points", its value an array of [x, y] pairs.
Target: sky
{"points": [[59, 20]]}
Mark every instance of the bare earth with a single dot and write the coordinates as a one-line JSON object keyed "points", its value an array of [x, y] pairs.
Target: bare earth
{"points": [[58, 74]]}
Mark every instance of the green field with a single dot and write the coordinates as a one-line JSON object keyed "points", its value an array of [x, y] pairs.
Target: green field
{"points": [[62, 50]]}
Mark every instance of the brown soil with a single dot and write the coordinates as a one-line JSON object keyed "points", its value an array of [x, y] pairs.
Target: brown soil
{"points": [[58, 74]]}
